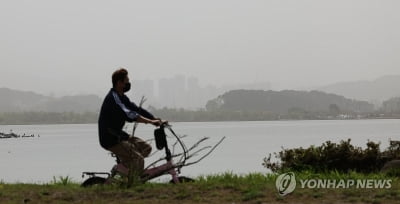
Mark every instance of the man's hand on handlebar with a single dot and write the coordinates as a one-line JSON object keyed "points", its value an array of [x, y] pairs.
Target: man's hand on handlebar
{"points": [[158, 122]]}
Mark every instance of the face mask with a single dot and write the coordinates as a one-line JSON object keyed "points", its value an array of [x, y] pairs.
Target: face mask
{"points": [[127, 87]]}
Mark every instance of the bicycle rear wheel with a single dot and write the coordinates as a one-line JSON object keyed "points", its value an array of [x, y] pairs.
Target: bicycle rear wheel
{"points": [[93, 181]]}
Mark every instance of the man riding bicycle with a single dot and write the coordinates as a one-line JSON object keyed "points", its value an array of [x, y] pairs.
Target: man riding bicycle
{"points": [[115, 111]]}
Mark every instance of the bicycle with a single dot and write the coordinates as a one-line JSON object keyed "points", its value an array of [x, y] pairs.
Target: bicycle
{"points": [[119, 173]]}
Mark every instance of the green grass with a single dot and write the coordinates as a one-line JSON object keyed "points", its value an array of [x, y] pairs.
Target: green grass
{"points": [[219, 188], [62, 180]]}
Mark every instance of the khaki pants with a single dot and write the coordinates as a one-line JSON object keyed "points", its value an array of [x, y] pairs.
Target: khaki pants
{"points": [[132, 153]]}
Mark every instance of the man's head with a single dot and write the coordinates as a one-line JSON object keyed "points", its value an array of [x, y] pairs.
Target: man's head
{"points": [[120, 80]]}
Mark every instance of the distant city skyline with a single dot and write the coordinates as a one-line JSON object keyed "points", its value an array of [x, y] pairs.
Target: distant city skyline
{"points": [[180, 91], [186, 92]]}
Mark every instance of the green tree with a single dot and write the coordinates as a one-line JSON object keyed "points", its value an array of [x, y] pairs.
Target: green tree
{"points": [[334, 109]]}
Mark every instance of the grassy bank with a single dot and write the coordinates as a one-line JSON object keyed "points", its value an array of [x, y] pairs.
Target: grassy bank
{"points": [[224, 188]]}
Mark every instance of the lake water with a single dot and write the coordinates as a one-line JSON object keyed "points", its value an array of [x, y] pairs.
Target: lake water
{"points": [[68, 150]]}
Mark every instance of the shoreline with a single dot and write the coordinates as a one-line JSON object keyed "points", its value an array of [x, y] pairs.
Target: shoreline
{"points": [[220, 121]]}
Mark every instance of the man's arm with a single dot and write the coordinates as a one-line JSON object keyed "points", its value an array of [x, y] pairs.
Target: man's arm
{"points": [[146, 116], [131, 115], [140, 110], [142, 119]]}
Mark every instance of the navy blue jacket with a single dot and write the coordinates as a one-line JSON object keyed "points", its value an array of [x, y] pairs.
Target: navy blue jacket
{"points": [[114, 112]]}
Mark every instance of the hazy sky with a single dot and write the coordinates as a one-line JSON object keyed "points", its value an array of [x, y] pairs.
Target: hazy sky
{"points": [[73, 46]]}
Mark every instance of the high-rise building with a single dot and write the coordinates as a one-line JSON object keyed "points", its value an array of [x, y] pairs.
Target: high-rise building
{"points": [[143, 88]]}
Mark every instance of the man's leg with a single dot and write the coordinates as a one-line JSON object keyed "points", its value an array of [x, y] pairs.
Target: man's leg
{"points": [[129, 156], [141, 146]]}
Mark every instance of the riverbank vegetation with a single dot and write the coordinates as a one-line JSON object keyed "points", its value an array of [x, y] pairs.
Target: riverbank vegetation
{"points": [[330, 156]]}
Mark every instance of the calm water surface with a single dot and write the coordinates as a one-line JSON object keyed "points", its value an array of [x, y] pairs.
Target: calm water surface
{"points": [[68, 150]]}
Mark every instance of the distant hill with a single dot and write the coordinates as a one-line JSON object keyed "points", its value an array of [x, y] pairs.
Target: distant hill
{"points": [[282, 102], [19, 101], [380, 89], [16, 101]]}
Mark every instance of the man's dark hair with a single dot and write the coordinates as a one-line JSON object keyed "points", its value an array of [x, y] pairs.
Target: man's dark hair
{"points": [[119, 75]]}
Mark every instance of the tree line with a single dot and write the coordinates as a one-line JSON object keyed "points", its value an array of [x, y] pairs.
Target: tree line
{"points": [[238, 105]]}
